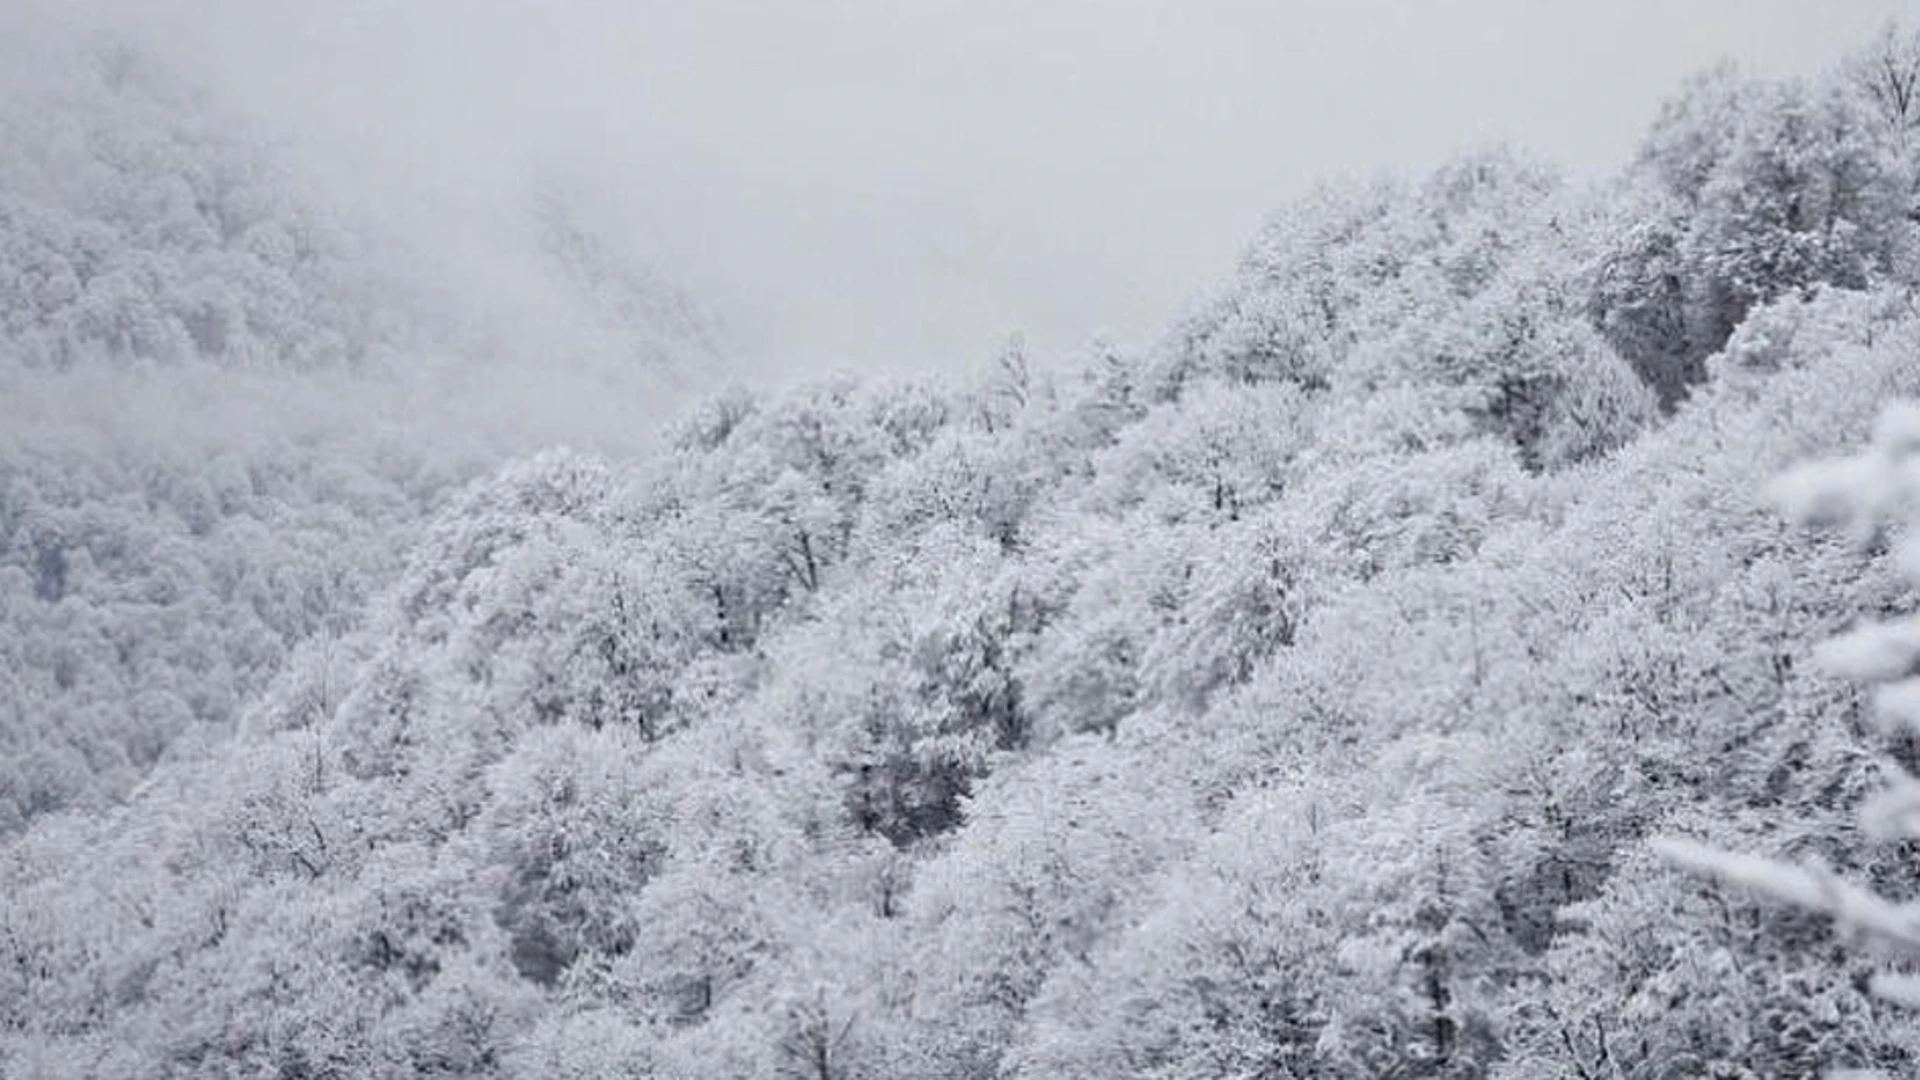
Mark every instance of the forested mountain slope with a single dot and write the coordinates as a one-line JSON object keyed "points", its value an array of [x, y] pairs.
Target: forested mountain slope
{"points": [[227, 411], [1294, 697]]}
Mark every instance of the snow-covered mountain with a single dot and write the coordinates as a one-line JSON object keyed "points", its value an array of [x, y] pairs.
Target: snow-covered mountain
{"points": [[1294, 697]]}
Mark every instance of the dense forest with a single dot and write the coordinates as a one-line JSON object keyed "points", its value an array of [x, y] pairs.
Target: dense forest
{"points": [[1322, 690]]}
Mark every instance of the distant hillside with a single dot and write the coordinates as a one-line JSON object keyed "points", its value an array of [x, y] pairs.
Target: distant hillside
{"points": [[225, 411]]}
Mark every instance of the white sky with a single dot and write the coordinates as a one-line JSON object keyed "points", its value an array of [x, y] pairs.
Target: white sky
{"points": [[903, 183]]}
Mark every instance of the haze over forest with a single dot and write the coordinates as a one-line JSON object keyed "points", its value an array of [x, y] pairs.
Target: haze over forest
{"points": [[899, 187], [525, 553]]}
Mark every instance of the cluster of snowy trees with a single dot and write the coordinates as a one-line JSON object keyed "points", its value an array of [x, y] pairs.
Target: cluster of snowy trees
{"points": [[1316, 693]]}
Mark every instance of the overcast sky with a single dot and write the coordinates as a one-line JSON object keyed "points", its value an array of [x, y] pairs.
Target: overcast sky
{"points": [[903, 183]]}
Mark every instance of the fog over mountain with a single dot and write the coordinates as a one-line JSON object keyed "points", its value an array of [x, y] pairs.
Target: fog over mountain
{"points": [[230, 398], [897, 186], [601, 540]]}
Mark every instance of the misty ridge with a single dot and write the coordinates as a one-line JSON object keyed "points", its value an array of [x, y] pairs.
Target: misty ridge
{"points": [[1477, 638]]}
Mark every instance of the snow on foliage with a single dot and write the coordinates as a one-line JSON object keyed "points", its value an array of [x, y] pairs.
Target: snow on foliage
{"points": [[1297, 696]]}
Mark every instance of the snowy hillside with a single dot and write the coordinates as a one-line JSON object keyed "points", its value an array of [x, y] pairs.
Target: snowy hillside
{"points": [[1303, 695]]}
